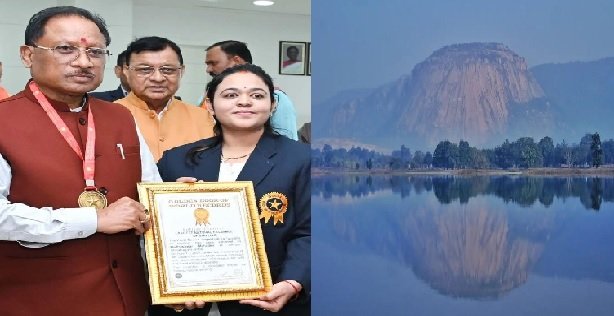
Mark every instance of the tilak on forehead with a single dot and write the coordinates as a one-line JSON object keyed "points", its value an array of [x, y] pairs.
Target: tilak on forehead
{"points": [[83, 40]]}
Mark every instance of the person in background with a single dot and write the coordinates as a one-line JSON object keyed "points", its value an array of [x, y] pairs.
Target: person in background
{"points": [[69, 165], [246, 148], [3, 93], [154, 66], [304, 133], [123, 88], [226, 54]]}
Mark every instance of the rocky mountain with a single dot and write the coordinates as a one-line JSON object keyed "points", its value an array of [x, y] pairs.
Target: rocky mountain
{"points": [[467, 91], [582, 93], [480, 92]]}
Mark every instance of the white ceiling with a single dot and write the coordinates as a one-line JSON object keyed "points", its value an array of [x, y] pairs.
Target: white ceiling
{"points": [[302, 7]]}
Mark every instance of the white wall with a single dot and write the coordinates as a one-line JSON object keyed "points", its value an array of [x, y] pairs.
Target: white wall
{"points": [[14, 16], [193, 29]]}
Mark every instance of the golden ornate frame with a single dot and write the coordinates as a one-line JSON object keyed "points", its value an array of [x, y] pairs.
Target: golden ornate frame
{"points": [[161, 292]]}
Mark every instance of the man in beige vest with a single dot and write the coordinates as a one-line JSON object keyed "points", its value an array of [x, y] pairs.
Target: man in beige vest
{"points": [[154, 66]]}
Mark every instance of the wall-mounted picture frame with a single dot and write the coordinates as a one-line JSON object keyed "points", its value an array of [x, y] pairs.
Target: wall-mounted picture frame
{"points": [[292, 57], [308, 71]]}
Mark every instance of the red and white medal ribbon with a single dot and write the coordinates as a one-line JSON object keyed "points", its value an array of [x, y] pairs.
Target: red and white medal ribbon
{"points": [[89, 161]]}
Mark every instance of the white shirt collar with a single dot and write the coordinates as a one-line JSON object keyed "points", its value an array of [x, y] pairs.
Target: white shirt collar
{"points": [[79, 109]]}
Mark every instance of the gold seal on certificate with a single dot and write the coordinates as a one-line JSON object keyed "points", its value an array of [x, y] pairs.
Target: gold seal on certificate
{"points": [[205, 242], [201, 216], [92, 198], [273, 204]]}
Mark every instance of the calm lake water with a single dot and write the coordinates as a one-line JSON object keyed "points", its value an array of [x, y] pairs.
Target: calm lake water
{"points": [[433, 245]]}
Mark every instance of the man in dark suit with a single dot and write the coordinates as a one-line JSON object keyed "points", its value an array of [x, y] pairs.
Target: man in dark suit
{"points": [[123, 88]]}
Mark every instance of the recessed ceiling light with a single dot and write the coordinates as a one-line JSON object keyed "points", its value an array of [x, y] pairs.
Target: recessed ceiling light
{"points": [[263, 3]]}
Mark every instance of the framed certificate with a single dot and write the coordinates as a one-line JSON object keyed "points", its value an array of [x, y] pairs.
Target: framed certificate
{"points": [[205, 242]]}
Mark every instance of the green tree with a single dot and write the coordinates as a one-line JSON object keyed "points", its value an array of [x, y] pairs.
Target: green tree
{"points": [[327, 152], [583, 151], [428, 159], [608, 151], [445, 155], [369, 163], [528, 153], [566, 153], [463, 154], [546, 146], [417, 161], [396, 163], [504, 156], [405, 155], [478, 158], [491, 158], [596, 151]]}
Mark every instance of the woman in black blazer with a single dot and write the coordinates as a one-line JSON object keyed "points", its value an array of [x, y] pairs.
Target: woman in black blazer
{"points": [[246, 149]]}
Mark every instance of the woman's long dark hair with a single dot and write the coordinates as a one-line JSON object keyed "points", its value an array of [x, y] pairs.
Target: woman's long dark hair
{"points": [[194, 152]]}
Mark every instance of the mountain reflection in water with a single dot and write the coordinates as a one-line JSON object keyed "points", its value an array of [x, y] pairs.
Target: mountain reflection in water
{"points": [[477, 252], [478, 238]]}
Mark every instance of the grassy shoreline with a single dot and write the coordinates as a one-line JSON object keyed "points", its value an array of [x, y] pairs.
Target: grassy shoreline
{"points": [[593, 172]]}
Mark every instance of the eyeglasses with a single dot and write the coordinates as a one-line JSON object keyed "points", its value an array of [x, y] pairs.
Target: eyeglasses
{"points": [[146, 71], [69, 53]]}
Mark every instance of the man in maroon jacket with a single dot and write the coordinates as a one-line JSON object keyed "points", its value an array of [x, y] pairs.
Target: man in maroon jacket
{"points": [[69, 218]]}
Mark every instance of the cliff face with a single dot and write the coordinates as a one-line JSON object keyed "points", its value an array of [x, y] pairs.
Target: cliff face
{"points": [[466, 91], [479, 92], [365, 116]]}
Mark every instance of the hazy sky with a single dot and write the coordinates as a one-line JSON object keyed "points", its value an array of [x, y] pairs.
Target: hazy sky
{"points": [[367, 43]]}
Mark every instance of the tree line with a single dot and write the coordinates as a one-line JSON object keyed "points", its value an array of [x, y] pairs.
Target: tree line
{"points": [[521, 153]]}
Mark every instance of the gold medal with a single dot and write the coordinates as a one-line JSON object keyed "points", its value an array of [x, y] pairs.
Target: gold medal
{"points": [[273, 204], [92, 198]]}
